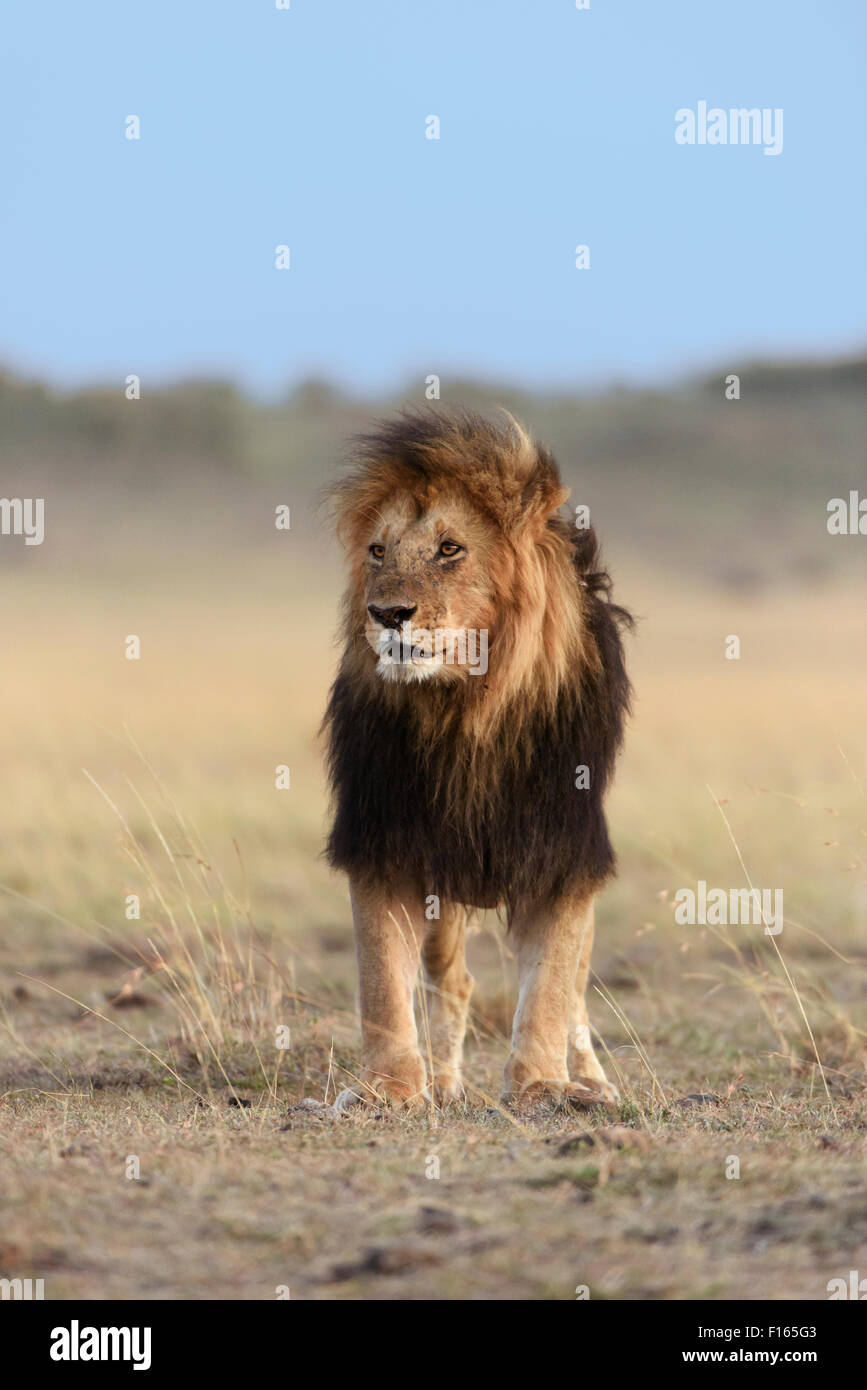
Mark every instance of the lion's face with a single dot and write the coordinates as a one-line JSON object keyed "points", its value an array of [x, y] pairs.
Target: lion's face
{"points": [[455, 550], [428, 590]]}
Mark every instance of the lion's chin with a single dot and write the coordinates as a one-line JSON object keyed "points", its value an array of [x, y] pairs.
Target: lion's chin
{"points": [[407, 672]]}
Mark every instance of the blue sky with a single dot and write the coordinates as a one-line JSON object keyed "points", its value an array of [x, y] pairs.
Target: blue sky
{"points": [[411, 256]]}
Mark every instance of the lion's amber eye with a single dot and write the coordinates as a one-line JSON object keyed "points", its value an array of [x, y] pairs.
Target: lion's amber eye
{"points": [[449, 549], [377, 551]]}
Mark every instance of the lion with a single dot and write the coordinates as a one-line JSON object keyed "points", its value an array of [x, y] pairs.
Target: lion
{"points": [[472, 731]]}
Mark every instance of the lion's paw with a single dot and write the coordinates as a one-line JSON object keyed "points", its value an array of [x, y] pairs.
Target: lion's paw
{"points": [[549, 1096], [583, 1092], [448, 1088], [378, 1090]]}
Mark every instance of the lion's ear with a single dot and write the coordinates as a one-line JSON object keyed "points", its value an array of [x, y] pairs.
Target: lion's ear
{"points": [[542, 493]]}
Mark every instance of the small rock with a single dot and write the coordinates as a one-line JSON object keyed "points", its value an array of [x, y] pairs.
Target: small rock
{"points": [[130, 999], [438, 1221], [309, 1109], [388, 1259], [311, 1106], [656, 1235], [612, 1136]]}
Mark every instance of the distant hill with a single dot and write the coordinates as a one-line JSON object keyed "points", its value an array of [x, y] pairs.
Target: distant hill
{"points": [[681, 476]]}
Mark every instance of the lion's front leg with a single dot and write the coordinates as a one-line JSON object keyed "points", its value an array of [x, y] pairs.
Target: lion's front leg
{"points": [[388, 933], [550, 945], [448, 997], [584, 1066]]}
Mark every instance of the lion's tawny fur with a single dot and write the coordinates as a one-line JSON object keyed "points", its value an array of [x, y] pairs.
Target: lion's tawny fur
{"points": [[457, 788]]}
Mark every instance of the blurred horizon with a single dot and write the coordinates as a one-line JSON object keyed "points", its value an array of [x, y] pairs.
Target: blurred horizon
{"points": [[411, 386], [681, 482]]}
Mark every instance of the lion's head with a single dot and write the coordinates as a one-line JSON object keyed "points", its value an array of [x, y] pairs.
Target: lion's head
{"points": [[460, 572]]}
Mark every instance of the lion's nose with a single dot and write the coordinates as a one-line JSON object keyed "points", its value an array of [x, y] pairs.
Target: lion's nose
{"points": [[391, 617]]}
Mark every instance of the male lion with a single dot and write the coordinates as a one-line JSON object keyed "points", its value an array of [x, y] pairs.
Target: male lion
{"points": [[459, 787]]}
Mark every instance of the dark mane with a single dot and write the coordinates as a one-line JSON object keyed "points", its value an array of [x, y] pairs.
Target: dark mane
{"points": [[483, 822]]}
